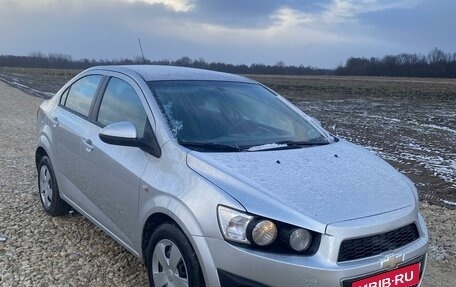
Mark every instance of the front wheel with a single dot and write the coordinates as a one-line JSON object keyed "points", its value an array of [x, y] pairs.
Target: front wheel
{"points": [[171, 260], [48, 189]]}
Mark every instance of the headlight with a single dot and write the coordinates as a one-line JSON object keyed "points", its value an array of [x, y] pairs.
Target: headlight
{"points": [[264, 232], [233, 224], [260, 232]]}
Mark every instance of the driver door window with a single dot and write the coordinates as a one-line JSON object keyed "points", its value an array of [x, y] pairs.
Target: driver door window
{"points": [[121, 103]]}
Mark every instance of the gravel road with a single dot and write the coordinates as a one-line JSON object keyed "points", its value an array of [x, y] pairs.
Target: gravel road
{"points": [[38, 250]]}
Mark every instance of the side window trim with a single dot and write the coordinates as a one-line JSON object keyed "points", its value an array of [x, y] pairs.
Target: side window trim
{"points": [[64, 96], [96, 103]]}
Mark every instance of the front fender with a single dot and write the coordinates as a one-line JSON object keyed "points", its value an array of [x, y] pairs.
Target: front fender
{"points": [[189, 224], [44, 142], [194, 211], [173, 208], [171, 188]]}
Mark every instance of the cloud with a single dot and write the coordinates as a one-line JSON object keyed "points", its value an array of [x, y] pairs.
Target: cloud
{"points": [[421, 27], [176, 5], [320, 33], [345, 10], [288, 27], [247, 13]]}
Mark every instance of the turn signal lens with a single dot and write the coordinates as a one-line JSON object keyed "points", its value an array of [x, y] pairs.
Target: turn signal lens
{"points": [[233, 224]]}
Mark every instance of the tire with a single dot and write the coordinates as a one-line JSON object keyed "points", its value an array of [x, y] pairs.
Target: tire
{"points": [[49, 191], [171, 260]]}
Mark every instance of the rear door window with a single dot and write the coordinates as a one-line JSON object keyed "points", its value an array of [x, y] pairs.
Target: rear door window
{"points": [[81, 94]]}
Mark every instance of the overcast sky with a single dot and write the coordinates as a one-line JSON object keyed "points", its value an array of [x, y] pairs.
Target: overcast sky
{"points": [[320, 33]]}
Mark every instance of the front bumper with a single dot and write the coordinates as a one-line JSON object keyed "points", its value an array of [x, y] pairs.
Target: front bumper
{"points": [[279, 270], [230, 280]]}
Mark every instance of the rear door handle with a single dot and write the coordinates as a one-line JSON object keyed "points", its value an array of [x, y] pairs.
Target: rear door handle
{"points": [[88, 144], [55, 121]]}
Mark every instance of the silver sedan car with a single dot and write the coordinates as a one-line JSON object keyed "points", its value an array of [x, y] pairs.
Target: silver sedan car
{"points": [[213, 179]]}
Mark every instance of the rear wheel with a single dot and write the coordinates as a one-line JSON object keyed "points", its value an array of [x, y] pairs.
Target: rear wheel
{"points": [[48, 189], [171, 260]]}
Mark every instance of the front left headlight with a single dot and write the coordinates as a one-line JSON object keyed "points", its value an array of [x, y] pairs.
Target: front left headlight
{"points": [[240, 227]]}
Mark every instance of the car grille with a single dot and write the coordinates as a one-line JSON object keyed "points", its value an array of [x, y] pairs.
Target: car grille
{"points": [[357, 248]]}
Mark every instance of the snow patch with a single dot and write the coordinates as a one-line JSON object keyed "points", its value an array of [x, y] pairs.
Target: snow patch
{"points": [[385, 118], [439, 128], [176, 125], [449, 202], [21, 85]]}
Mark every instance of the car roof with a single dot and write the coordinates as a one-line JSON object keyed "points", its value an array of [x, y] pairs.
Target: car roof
{"points": [[169, 73]]}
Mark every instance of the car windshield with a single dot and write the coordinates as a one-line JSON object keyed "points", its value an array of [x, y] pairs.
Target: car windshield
{"points": [[231, 116]]}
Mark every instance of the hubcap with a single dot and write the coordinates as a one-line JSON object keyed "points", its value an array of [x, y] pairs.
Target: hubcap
{"points": [[45, 187], [168, 266]]}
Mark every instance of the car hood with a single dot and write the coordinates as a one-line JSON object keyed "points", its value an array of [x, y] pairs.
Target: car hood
{"points": [[312, 186]]}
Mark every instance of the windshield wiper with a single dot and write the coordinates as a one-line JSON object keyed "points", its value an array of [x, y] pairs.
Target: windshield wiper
{"points": [[280, 145], [214, 147], [302, 143]]}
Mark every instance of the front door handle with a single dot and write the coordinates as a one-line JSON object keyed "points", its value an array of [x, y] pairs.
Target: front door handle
{"points": [[55, 121], [88, 144]]}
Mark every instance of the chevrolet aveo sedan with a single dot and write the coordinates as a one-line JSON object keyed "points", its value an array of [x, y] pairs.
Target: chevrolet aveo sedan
{"points": [[213, 179]]}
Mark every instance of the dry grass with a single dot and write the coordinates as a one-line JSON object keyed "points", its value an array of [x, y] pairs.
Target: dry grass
{"points": [[57, 73]]}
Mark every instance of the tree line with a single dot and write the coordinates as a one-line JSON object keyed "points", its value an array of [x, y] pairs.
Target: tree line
{"points": [[436, 63], [61, 61]]}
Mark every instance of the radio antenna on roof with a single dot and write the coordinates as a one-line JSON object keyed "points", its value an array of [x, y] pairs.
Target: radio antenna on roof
{"points": [[142, 53]]}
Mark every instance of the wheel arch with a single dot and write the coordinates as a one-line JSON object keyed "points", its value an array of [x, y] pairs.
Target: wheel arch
{"points": [[43, 147], [152, 222], [39, 154], [199, 246]]}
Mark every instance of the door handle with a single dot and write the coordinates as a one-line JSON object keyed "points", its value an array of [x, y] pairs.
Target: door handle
{"points": [[55, 121], [88, 144]]}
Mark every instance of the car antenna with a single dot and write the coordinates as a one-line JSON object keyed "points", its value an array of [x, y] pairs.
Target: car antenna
{"points": [[141, 49]]}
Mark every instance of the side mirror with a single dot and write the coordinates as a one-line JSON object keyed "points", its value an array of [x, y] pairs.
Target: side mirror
{"points": [[124, 134], [120, 133]]}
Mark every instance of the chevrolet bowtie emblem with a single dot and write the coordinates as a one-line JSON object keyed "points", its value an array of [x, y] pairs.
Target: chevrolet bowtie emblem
{"points": [[391, 261]]}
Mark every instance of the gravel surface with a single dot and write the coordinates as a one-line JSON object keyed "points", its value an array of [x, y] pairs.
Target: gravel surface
{"points": [[38, 250]]}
